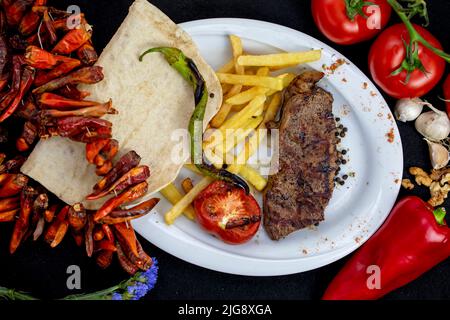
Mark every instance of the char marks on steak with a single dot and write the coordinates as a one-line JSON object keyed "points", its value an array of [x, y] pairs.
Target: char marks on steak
{"points": [[299, 192]]}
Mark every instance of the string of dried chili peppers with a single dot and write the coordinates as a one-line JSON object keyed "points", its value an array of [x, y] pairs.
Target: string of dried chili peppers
{"points": [[42, 60]]}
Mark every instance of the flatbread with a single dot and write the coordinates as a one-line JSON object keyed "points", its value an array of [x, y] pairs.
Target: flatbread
{"points": [[154, 104]]}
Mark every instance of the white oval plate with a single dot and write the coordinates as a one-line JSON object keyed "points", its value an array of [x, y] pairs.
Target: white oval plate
{"points": [[356, 210]]}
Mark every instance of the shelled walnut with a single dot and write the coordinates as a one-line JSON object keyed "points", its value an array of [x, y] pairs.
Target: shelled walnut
{"points": [[438, 181]]}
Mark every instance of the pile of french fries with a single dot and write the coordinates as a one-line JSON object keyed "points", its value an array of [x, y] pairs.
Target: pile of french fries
{"points": [[252, 98]]}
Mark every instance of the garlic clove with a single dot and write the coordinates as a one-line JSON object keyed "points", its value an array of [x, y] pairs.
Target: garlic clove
{"points": [[408, 109], [439, 155], [433, 125]]}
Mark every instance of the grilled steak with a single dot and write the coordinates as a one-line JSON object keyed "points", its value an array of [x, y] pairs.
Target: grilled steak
{"points": [[298, 193]]}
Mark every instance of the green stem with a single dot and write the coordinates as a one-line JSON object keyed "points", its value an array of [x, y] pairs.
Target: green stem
{"points": [[94, 295], [15, 295], [413, 34], [439, 215]]}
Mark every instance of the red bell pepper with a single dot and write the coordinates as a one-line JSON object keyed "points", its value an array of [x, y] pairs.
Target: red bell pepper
{"points": [[412, 240]]}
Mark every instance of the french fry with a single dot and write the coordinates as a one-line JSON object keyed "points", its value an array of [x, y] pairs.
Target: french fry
{"points": [[187, 185], [252, 144], [254, 108], [219, 118], [251, 81], [172, 195], [272, 109], [225, 109], [280, 59], [235, 137], [236, 46], [228, 67], [248, 95], [186, 201], [253, 177], [250, 175]]}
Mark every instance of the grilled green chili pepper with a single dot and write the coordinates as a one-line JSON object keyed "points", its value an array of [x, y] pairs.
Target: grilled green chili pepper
{"points": [[189, 71]]}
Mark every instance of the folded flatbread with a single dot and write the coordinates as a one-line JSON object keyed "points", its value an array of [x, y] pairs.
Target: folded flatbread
{"points": [[153, 100]]}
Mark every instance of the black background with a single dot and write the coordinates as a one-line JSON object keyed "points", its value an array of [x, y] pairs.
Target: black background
{"points": [[42, 271]]}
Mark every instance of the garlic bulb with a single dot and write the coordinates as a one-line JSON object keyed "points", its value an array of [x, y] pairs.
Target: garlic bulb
{"points": [[409, 109], [439, 155], [433, 125]]}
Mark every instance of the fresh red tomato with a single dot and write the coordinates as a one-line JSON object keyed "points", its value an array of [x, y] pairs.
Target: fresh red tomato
{"points": [[350, 21], [447, 93], [228, 212], [388, 54]]}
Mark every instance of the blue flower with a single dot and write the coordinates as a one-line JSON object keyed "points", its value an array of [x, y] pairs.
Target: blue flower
{"points": [[142, 283], [116, 296]]}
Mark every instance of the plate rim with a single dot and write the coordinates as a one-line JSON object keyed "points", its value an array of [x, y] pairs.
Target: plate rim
{"points": [[274, 267]]}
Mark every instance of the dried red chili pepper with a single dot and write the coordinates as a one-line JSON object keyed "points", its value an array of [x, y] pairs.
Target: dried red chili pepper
{"points": [[27, 138], [6, 100], [96, 111], [87, 54], [25, 85], [127, 237], [16, 11], [71, 92], [73, 40], [49, 214], [120, 216], [71, 126], [13, 165], [88, 75], [28, 110], [48, 23], [107, 153], [131, 178], [4, 79], [9, 204], [128, 196], [98, 233], [88, 235], [131, 246], [62, 69], [22, 223], [103, 170], [144, 257], [9, 216], [94, 148], [54, 101], [127, 162], [104, 258], [78, 237], [55, 232], [3, 56], [77, 217], [12, 184], [37, 220], [31, 20], [92, 134], [39, 58], [3, 23], [125, 263], [63, 24]]}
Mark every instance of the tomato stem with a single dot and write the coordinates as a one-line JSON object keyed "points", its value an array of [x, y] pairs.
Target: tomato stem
{"points": [[355, 7], [413, 34]]}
